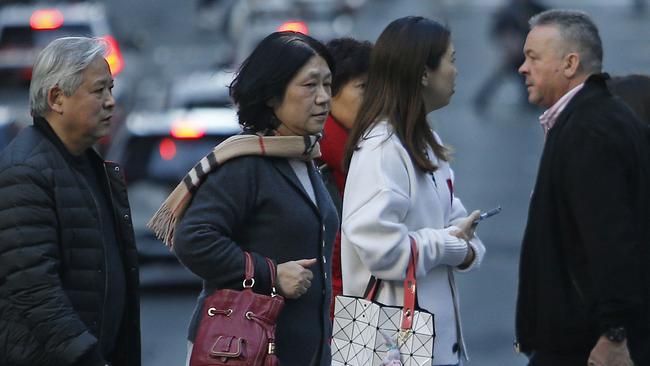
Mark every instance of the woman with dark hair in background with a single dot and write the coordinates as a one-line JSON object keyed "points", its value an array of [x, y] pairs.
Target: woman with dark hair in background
{"points": [[635, 91], [400, 186], [273, 206], [351, 58]]}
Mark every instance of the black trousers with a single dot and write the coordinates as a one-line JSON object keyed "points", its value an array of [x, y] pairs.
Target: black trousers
{"points": [[555, 359]]}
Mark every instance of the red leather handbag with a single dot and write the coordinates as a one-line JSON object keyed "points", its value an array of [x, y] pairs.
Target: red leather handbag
{"points": [[238, 327]]}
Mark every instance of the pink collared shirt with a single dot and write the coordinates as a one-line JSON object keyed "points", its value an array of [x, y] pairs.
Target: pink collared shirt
{"points": [[548, 118]]}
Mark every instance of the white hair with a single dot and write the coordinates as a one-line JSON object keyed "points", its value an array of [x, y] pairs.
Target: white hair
{"points": [[61, 64]]}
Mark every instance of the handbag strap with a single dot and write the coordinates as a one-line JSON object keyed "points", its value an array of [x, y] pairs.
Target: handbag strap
{"points": [[272, 271], [249, 279], [410, 288]]}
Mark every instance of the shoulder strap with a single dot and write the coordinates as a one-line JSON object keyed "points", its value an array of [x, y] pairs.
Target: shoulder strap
{"points": [[410, 288]]}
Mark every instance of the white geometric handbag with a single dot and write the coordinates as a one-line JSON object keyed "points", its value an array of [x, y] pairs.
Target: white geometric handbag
{"points": [[357, 338]]}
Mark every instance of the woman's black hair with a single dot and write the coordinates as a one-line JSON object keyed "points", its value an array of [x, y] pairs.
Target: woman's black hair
{"points": [[266, 73], [351, 58]]}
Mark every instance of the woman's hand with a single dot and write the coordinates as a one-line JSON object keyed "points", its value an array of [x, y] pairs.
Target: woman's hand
{"points": [[294, 279], [466, 226]]}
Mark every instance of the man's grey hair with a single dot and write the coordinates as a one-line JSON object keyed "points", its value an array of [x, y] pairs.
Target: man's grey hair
{"points": [[579, 34], [61, 64]]}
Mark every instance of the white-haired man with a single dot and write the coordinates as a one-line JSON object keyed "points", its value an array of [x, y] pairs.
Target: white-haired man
{"points": [[68, 269]]}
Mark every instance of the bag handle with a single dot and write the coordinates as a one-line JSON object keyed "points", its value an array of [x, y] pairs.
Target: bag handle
{"points": [[272, 271], [249, 279], [410, 289]]}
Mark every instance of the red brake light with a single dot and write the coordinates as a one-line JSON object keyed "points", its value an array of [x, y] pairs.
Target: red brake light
{"points": [[295, 26], [167, 149], [185, 130], [114, 56], [46, 19]]}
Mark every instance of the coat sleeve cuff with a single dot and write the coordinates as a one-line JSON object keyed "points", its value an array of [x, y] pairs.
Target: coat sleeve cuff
{"points": [[79, 348], [91, 358], [262, 274], [479, 252], [454, 250]]}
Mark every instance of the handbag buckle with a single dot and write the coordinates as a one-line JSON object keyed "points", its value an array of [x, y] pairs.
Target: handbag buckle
{"points": [[251, 283], [226, 347], [271, 349]]}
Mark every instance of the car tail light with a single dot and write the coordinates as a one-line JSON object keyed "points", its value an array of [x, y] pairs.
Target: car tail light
{"points": [[114, 56], [167, 149], [296, 26], [46, 19], [183, 129]]}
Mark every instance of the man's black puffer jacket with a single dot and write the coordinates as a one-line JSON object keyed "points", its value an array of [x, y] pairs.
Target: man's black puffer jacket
{"points": [[52, 258]]}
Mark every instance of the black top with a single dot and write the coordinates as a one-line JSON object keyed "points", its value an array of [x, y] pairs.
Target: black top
{"points": [[115, 281]]}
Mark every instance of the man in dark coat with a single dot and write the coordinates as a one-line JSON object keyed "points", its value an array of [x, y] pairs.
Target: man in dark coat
{"points": [[68, 265], [583, 281]]}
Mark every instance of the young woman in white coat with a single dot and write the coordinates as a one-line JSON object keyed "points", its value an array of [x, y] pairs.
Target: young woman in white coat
{"points": [[400, 186]]}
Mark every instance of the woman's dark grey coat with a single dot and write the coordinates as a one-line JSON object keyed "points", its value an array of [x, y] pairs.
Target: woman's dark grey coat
{"points": [[257, 204]]}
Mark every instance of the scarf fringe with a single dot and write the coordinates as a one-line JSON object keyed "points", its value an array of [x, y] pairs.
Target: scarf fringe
{"points": [[164, 221]]}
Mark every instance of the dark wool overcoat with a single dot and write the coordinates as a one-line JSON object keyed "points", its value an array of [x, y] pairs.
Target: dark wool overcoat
{"points": [[258, 204], [584, 260]]}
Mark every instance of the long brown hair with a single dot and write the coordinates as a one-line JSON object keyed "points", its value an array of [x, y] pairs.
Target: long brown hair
{"points": [[394, 88]]}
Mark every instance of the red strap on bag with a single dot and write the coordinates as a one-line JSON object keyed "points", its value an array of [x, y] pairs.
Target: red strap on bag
{"points": [[272, 270], [410, 289], [249, 275]]}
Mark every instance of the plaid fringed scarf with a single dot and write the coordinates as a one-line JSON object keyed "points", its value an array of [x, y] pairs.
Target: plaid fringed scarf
{"points": [[169, 214]]}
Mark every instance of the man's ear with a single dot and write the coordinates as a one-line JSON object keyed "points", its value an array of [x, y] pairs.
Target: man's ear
{"points": [[55, 99], [572, 64]]}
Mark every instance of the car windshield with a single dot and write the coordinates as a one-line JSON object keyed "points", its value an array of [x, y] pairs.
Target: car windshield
{"points": [[26, 37]]}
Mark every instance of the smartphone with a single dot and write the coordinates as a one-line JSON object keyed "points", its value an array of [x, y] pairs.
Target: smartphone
{"points": [[487, 214]]}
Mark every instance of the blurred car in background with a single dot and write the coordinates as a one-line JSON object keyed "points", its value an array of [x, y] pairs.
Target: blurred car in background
{"points": [[156, 150], [252, 20], [200, 89], [25, 29]]}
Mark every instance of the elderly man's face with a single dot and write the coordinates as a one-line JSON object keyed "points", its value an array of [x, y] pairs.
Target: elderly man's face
{"points": [[544, 66], [86, 114]]}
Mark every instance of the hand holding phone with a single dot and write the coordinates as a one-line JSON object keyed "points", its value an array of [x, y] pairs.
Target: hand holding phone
{"points": [[487, 214]]}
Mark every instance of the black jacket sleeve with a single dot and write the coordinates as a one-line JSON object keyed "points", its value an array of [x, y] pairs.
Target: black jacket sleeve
{"points": [[203, 239], [599, 179], [30, 265]]}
